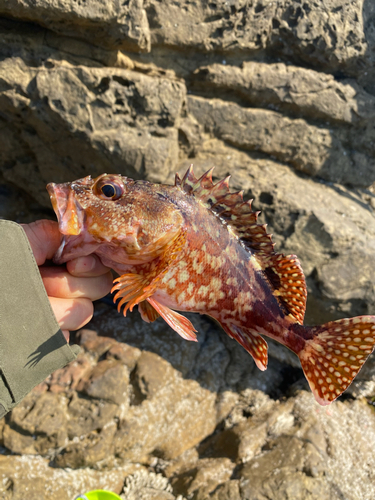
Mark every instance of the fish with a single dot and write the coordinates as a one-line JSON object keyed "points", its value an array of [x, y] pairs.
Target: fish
{"points": [[196, 246]]}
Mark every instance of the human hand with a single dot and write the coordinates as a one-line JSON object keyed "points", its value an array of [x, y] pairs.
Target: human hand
{"points": [[71, 288]]}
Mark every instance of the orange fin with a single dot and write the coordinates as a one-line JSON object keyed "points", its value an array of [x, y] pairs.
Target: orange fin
{"points": [[131, 289], [147, 312], [134, 288], [335, 354], [254, 344], [230, 207], [175, 320], [285, 275]]}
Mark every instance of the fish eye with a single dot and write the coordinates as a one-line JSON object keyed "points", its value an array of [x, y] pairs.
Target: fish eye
{"points": [[111, 191], [108, 188]]}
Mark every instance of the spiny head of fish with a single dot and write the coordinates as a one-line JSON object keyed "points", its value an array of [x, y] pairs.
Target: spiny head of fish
{"points": [[128, 218]]}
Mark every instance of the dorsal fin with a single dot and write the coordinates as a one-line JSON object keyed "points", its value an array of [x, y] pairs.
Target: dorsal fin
{"points": [[230, 207], [284, 273]]}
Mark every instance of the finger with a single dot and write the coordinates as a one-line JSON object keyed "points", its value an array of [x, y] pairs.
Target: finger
{"points": [[72, 314], [44, 238], [61, 284], [86, 266]]}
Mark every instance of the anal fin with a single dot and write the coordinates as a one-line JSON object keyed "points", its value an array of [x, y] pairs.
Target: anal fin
{"points": [[254, 344]]}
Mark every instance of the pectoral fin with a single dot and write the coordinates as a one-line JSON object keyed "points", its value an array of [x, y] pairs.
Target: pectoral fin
{"points": [[133, 288]]}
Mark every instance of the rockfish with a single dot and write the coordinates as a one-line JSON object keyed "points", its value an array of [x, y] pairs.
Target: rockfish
{"points": [[197, 247]]}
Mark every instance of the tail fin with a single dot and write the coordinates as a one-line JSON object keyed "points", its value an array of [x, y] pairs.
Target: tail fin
{"points": [[334, 354]]}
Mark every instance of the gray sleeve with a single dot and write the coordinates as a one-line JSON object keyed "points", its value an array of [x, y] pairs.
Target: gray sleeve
{"points": [[32, 345]]}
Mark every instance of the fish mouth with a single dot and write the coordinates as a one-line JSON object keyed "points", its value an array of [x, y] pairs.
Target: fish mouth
{"points": [[70, 216], [69, 212]]}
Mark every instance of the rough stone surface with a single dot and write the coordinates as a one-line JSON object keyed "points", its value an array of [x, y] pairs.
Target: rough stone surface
{"points": [[110, 24], [280, 95], [288, 88], [76, 120], [205, 427], [306, 147], [32, 477], [313, 32], [300, 458]]}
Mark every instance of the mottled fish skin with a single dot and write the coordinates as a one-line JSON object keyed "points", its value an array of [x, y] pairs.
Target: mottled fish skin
{"points": [[197, 247], [216, 276]]}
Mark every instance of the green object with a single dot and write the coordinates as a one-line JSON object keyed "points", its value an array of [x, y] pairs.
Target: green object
{"points": [[99, 495]]}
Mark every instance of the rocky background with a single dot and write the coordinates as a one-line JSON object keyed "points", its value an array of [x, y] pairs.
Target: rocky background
{"points": [[279, 94]]}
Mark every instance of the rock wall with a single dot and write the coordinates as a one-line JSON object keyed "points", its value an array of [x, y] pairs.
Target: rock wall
{"points": [[279, 94]]}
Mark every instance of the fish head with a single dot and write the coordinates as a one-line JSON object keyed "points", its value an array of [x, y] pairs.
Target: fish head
{"points": [[123, 220]]}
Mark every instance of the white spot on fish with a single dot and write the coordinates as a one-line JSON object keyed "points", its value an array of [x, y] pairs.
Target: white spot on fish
{"points": [[183, 276], [216, 283], [203, 290], [198, 267], [213, 299]]}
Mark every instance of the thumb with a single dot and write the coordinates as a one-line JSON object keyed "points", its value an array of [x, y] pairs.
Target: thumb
{"points": [[44, 238]]}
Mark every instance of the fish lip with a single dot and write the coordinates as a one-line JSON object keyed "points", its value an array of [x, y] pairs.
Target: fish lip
{"points": [[69, 212], [70, 216]]}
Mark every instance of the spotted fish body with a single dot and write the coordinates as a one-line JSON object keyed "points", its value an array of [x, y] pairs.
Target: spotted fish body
{"points": [[198, 247]]}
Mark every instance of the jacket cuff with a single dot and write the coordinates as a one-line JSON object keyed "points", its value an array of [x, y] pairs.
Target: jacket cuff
{"points": [[32, 346]]}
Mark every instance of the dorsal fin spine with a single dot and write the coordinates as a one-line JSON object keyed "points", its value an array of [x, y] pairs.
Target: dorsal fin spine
{"points": [[177, 180], [189, 179]]}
